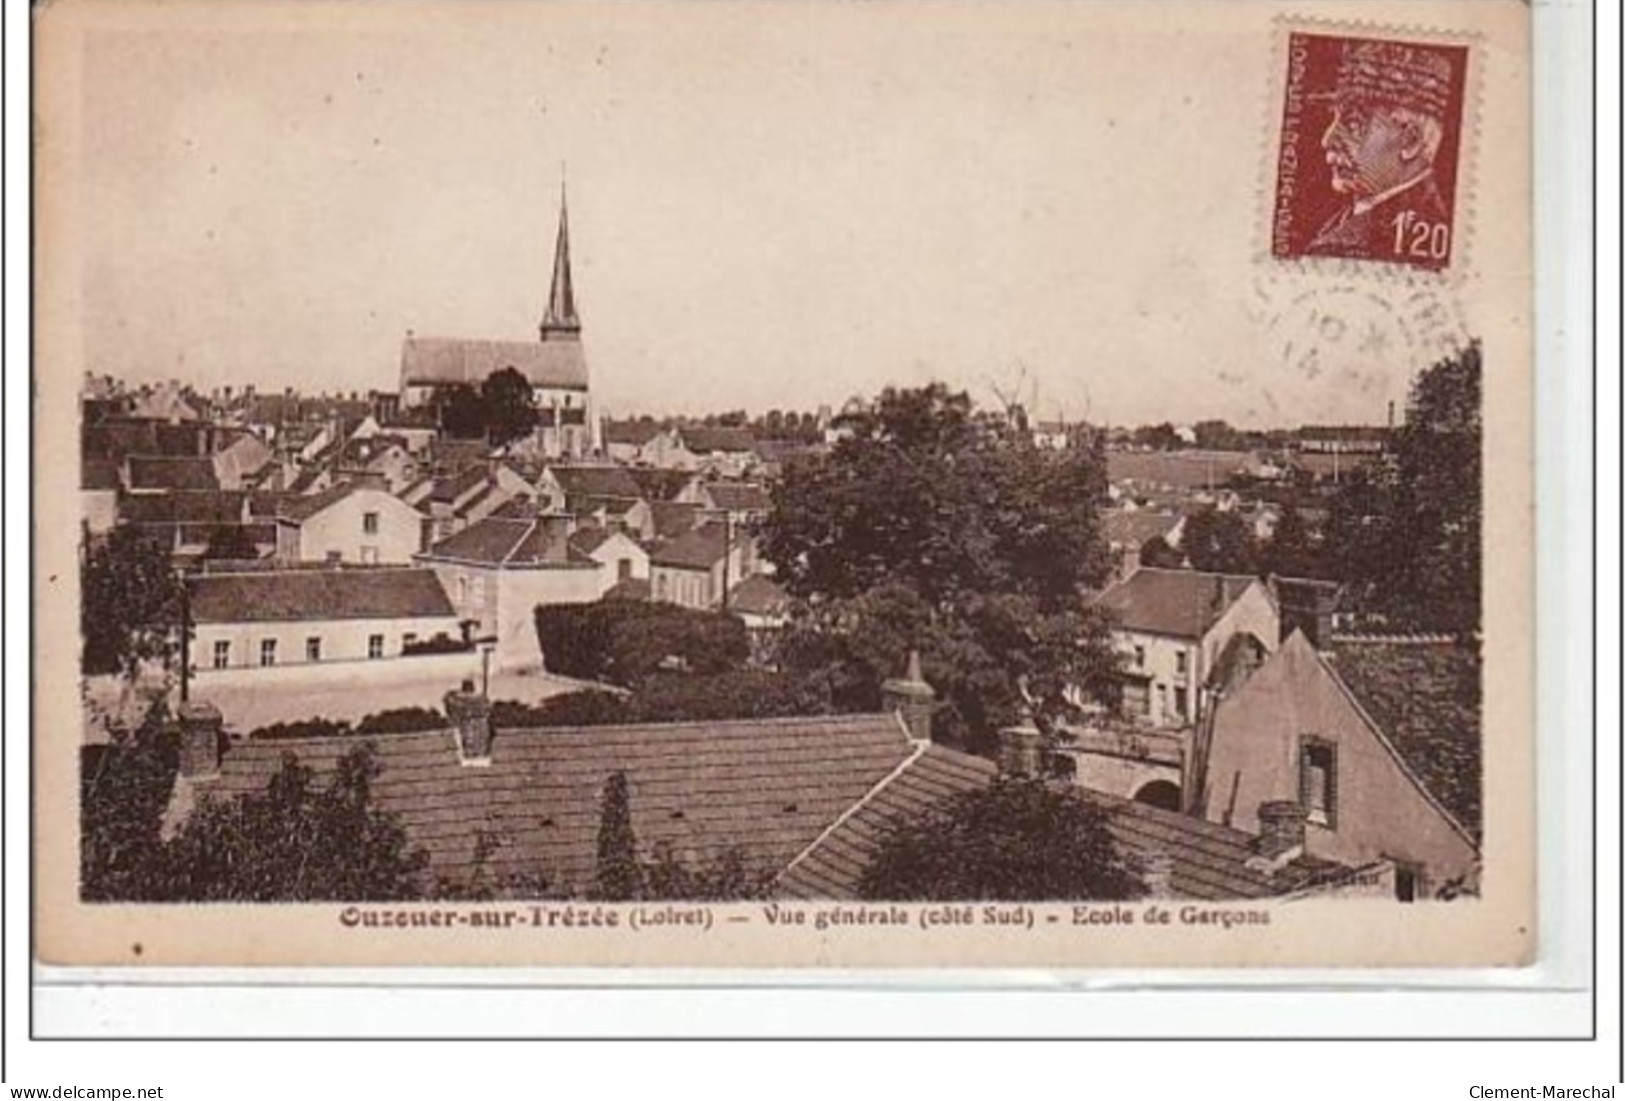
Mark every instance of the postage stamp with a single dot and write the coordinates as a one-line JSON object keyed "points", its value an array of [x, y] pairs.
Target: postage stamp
{"points": [[1369, 144]]}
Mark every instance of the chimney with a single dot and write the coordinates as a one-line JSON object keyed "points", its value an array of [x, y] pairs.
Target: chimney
{"points": [[1157, 872], [470, 715], [1021, 749], [1281, 829], [200, 739], [912, 699]]}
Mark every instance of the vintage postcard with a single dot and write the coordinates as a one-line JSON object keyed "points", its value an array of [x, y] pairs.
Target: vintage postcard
{"points": [[784, 484]]}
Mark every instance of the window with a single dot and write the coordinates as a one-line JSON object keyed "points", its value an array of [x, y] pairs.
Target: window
{"points": [[1181, 702], [334, 557], [313, 649], [1407, 882], [369, 556], [1139, 657], [1181, 663], [222, 654], [623, 569], [375, 646], [1162, 702], [1317, 780], [369, 523], [267, 651]]}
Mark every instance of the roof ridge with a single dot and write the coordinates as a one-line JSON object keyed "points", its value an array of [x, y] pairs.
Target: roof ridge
{"points": [[709, 724], [915, 754]]}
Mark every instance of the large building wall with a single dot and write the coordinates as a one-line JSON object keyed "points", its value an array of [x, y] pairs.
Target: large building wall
{"points": [[340, 529], [342, 640]]}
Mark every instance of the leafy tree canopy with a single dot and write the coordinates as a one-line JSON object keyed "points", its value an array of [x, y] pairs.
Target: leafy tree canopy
{"points": [[1219, 541], [1407, 532], [130, 610], [623, 641], [1014, 840], [932, 526], [509, 406]]}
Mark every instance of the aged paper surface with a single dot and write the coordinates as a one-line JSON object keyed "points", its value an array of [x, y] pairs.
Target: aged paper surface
{"points": [[1277, 215]]}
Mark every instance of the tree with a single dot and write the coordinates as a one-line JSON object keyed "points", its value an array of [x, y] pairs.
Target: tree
{"points": [[1156, 553], [1406, 532], [1013, 840], [130, 605], [462, 412], [624, 641], [123, 790], [726, 877], [1291, 550], [1219, 541], [618, 877], [933, 527], [509, 406]]}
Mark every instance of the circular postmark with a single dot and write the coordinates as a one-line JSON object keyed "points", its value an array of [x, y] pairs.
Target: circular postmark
{"points": [[1341, 352]]}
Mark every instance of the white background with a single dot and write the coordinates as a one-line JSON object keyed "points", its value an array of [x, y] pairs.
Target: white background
{"points": [[1552, 1000]]}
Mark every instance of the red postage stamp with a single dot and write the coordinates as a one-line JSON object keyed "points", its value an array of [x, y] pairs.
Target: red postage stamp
{"points": [[1370, 140]]}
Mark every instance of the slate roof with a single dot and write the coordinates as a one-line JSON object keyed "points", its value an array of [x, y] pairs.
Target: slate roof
{"points": [[172, 472], [311, 595], [1134, 528], [704, 439], [440, 361], [673, 518], [596, 481], [636, 433], [499, 541], [1209, 860], [699, 549], [739, 496], [297, 508], [455, 487], [1177, 603], [186, 507], [1426, 698], [767, 787]]}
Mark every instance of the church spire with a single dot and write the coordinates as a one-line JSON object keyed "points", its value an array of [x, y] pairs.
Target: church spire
{"points": [[560, 322]]}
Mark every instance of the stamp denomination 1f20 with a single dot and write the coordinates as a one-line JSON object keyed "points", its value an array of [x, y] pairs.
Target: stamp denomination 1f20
{"points": [[1369, 148]]}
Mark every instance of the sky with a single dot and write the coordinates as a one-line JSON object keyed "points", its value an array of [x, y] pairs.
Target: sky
{"points": [[769, 208]]}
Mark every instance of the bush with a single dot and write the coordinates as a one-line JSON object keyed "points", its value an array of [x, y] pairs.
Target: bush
{"points": [[586, 708], [302, 728], [441, 643], [624, 641], [396, 720]]}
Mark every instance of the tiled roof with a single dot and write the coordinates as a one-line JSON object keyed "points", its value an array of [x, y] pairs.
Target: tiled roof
{"points": [[656, 484], [1426, 698], [455, 487], [596, 481], [499, 541], [1133, 528], [1178, 603], [739, 496], [297, 508], [439, 361], [1210, 861], [172, 472], [185, 507], [673, 518], [589, 539], [301, 595], [758, 594], [704, 439], [612, 506], [699, 549], [766, 787], [636, 433]]}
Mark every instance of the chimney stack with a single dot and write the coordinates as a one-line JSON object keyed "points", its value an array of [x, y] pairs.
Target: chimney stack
{"points": [[200, 739], [1281, 827], [912, 699], [1021, 749], [1158, 875], [470, 715]]}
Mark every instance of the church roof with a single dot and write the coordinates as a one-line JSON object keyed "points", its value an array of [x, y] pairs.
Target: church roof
{"points": [[445, 361]]}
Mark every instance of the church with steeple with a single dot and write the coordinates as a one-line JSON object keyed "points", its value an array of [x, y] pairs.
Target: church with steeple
{"points": [[554, 363]]}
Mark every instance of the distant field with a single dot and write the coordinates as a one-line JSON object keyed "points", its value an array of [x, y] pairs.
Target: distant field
{"points": [[1185, 469]]}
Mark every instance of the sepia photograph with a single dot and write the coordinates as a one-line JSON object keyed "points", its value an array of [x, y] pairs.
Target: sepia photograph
{"points": [[785, 485]]}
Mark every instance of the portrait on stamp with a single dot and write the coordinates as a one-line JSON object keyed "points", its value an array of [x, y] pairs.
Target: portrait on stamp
{"points": [[1370, 136]]}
